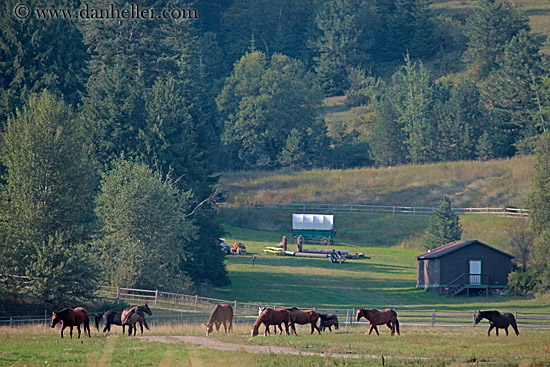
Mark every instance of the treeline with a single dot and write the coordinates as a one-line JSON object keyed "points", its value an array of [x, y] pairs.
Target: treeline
{"points": [[112, 129]]}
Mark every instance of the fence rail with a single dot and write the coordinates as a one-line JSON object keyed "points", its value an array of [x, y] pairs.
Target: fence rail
{"points": [[372, 208], [194, 308]]}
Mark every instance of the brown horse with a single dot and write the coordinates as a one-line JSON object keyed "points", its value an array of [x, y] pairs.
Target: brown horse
{"points": [[134, 314], [70, 318], [303, 317], [221, 314], [272, 317], [328, 320], [375, 317]]}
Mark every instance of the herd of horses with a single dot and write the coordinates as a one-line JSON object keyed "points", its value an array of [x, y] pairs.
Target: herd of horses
{"points": [[287, 317], [130, 316]]}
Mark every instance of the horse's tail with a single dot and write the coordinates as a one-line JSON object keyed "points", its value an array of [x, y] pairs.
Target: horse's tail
{"points": [[514, 325], [397, 325], [98, 317], [145, 323]]}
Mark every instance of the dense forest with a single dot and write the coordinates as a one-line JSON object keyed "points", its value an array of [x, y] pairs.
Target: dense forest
{"points": [[113, 129]]}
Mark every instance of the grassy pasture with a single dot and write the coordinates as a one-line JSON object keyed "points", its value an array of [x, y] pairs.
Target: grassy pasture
{"points": [[494, 183], [42, 346], [386, 278]]}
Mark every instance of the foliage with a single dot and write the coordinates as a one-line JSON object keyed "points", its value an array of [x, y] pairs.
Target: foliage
{"points": [[49, 182], [260, 104], [443, 226], [520, 243], [142, 231]]}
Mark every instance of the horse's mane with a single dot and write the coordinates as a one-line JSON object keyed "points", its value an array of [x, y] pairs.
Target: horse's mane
{"points": [[260, 319], [63, 311], [213, 314]]}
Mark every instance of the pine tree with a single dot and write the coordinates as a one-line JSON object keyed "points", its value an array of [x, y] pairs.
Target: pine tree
{"points": [[346, 36], [294, 154], [489, 29], [443, 226]]}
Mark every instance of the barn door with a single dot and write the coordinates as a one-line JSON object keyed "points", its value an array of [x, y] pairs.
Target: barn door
{"points": [[475, 272]]}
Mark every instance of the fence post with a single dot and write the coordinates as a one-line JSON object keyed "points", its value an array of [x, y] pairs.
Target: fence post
{"points": [[474, 319], [117, 293], [156, 296], [348, 320], [235, 311], [196, 300], [433, 317]]}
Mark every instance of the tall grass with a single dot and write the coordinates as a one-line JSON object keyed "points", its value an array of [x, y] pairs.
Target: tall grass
{"points": [[493, 183]]}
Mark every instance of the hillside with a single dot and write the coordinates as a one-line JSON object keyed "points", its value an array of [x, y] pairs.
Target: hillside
{"points": [[495, 183]]}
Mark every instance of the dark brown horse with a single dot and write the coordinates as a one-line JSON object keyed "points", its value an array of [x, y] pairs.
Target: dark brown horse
{"points": [[303, 318], [109, 318], [134, 314], [70, 318], [271, 317], [221, 314], [498, 320], [375, 317], [328, 320]]}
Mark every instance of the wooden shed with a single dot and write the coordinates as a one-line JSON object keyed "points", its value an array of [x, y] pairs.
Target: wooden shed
{"points": [[463, 266]]}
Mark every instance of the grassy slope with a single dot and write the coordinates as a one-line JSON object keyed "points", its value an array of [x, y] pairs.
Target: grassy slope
{"points": [[476, 184], [388, 276]]}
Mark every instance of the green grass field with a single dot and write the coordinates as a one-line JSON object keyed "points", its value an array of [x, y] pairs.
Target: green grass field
{"points": [[42, 346]]}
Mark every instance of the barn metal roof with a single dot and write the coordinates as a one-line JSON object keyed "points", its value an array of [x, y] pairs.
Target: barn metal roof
{"points": [[454, 246]]}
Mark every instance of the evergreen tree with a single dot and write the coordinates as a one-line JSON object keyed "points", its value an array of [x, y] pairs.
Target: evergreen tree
{"points": [[411, 89], [37, 54], [293, 154], [386, 138], [539, 200], [49, 186], [346, 35], [491, 26], [443, 226], [510, 95]]}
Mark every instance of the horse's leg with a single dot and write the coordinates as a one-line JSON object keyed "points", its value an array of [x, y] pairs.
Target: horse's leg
{"points": [[376, 329], [63, 326], [371, 328], [491, 328], [78, 329], [496, 329], [506, 329], [314, 325], [71, 331], [514, 325], [141, 327]]}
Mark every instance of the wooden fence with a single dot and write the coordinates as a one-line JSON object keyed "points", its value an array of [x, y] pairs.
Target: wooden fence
{"points": [[193, 308], [372, 209]]}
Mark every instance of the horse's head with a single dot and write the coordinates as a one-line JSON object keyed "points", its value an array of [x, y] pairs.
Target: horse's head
{"points": [[98, 317], [209, 328], [55, 319], [479, 316], [254, 331], [361, 313], [147, 310]]}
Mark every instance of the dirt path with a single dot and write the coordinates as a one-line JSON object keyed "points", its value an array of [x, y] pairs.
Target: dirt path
{"points": [[216, 344]]}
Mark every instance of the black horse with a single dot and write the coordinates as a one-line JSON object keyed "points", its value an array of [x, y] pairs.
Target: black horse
{"points": [[109, 318], [498, 320]]}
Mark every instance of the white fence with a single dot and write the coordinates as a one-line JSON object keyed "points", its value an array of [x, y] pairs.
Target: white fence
{"points": [[372, 209]]}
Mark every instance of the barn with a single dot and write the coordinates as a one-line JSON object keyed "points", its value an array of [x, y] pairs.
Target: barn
{"points": [[463, 267]]}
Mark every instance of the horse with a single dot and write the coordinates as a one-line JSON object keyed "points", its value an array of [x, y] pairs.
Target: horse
{"points": [[70, 318], [498, 320], [221, 314], [302, 318], [272, 317], [328, 320], [109, 318], [375, 317], [133, 314]]}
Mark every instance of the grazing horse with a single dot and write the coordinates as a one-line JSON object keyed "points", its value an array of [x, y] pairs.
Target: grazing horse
{"points": [[375, 317], [221, 314], [133, 314], [328, 320], [498, 320], [303, 317], [70, 318], [109, 318], [272, 317]]}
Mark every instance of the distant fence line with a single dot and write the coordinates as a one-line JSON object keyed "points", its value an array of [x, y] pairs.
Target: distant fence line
{"points": [[195, 309], [372, 208]]}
